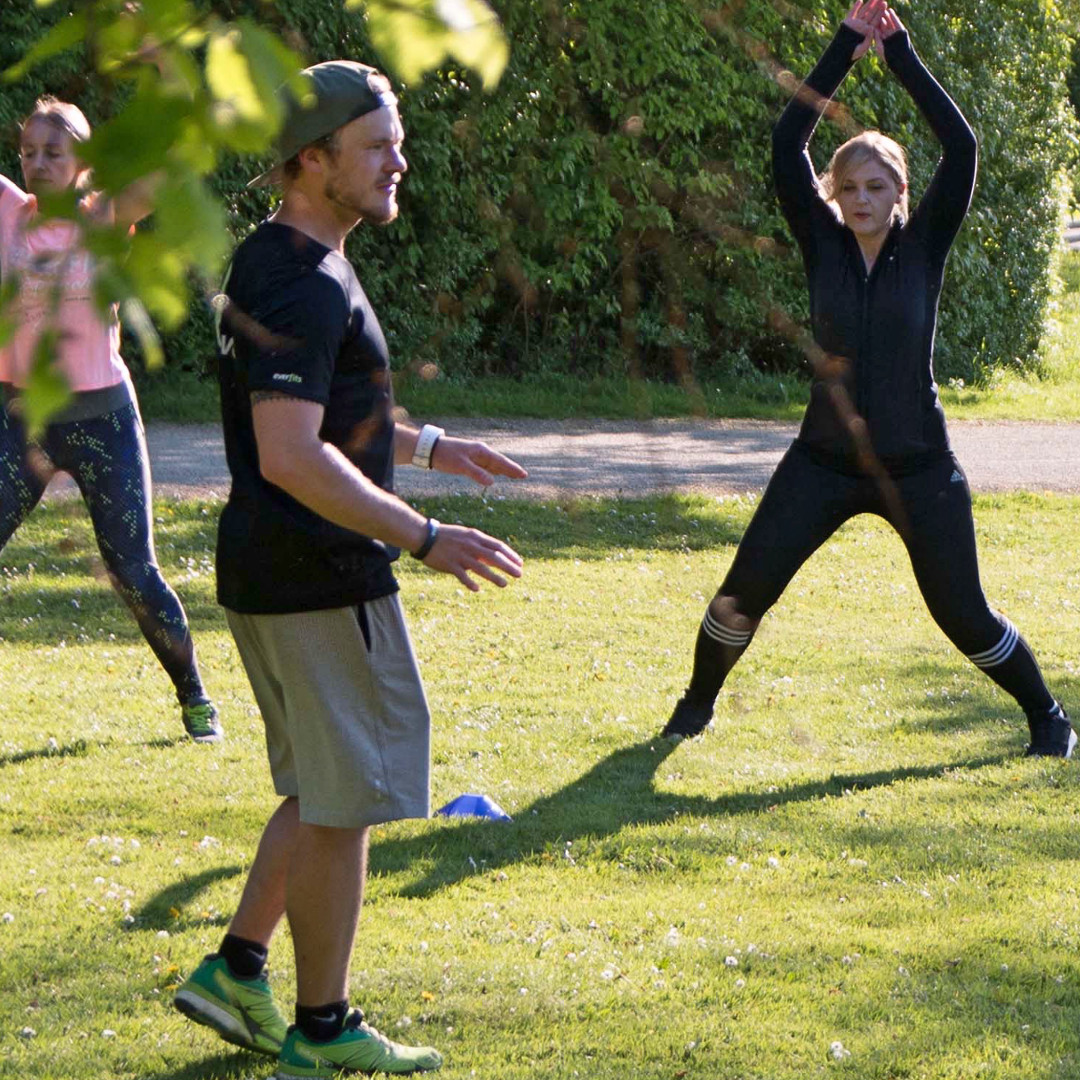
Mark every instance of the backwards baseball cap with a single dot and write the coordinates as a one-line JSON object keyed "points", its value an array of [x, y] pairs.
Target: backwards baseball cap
{"points": [[343, 91]]}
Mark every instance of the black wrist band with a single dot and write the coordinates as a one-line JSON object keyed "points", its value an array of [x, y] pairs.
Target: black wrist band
{"points": [[430, 537]]}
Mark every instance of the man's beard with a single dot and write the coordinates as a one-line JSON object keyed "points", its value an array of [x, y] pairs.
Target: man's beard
{"points": [[377, 215]]}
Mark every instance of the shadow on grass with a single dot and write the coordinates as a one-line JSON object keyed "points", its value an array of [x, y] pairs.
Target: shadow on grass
{"points": [[158, 909], [615, 793], [591, 528], [221, 1065], [78, 748], [95, 606]]}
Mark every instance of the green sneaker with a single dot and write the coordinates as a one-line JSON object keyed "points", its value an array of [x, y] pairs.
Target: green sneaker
{"points": [[359, 1048], [242, 1011], [201, 721]]}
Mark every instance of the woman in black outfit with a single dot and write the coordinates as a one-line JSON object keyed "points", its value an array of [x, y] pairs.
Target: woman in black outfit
{"points": [[873, 439]]}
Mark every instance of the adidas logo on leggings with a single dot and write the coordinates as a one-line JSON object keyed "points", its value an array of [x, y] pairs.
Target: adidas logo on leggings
{"points": [[1000, 652], [737, 639]]}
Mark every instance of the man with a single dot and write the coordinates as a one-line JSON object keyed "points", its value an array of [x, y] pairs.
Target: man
{"points": [[304, 563]]}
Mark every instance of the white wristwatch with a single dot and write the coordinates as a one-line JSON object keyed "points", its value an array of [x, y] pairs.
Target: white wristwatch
{"points": [[425, 445]]}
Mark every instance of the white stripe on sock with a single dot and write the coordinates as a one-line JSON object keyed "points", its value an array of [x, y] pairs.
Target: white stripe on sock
{"points": [[723, 634], [1000, 652]]}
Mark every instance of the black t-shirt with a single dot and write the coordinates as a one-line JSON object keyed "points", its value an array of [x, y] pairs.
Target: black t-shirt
{"points": [[297, 322]]}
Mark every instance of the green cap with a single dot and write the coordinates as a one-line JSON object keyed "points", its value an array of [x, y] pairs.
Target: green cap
{"points": [[344, 90]]}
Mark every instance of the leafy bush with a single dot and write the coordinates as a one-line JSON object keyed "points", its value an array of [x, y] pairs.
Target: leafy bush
{"points": [[608, 208]]}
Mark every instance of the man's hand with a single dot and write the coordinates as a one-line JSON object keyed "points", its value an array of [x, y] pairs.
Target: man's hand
{"points": [[476, 460], [461, 551], [863, 18]]}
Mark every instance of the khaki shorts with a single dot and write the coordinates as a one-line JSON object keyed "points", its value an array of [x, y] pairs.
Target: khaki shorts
{"points": [[348, 730]]}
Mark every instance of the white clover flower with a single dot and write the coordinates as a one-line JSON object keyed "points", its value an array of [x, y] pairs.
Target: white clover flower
{"points": [[404, 1022], [731, 860], [773, 861], [108, 1033], [27, 1033], [731, 961], [163, 933], [7, 917], [837, 1050], [740, 983]]}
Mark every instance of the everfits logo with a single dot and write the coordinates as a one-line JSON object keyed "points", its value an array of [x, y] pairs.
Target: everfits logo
{"points": [[287, 376]]}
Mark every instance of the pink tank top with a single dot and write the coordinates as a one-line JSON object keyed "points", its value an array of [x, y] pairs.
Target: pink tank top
{"points": [[88, 345]]}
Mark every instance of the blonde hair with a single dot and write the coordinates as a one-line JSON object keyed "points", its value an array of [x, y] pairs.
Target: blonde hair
{"points": [[61, 114], [67, 118], [869, 146]]}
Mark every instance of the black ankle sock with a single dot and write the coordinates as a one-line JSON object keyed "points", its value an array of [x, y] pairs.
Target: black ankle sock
{"points": [[321, 1023], [246, 959]]}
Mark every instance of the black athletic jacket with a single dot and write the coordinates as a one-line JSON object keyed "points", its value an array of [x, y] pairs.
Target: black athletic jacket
{"points": [[882, 323]]}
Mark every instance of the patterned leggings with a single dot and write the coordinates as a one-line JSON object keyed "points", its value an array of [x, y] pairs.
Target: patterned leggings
{"points": [[106, 456]]}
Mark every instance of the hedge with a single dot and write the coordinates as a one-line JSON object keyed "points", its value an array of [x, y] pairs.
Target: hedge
{"points": [[608, 209]]}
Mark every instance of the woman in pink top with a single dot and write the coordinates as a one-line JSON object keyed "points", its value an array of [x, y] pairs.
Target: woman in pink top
{"points": [[98, 437]]}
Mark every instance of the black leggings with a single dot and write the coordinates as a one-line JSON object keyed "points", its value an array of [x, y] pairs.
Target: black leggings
{"points": [[106, 456], [805, 503]]}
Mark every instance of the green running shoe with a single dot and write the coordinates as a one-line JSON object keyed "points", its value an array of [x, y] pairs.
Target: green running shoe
{"points": [[242, 1011], [201, 722], [359, 1048]]}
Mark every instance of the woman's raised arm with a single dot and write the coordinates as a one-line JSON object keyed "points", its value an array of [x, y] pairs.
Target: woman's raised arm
{"points": [[945, 203], [793, 171]]}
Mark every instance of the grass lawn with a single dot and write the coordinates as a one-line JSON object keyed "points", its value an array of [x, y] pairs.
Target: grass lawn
{"points": [[172, 394], [854, 873]]}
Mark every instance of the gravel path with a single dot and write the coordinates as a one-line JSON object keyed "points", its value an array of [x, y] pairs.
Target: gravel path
{"points": [[597, 457]]}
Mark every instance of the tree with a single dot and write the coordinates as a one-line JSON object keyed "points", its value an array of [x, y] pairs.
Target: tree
{"points": [[193, 83]]}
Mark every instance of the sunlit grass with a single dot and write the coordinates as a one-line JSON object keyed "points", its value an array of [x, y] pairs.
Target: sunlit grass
{"points": [[855, 853]]}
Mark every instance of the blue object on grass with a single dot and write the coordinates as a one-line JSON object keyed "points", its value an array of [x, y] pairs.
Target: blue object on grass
{"points": [[474, 806]]}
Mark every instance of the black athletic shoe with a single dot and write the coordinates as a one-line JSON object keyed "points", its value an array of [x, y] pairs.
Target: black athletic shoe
{"points": [[689, 718], [1051, 734]]}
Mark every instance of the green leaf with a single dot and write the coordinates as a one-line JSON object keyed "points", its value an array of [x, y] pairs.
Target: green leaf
{"points": [[188, 219], [9, 291], [47, 391], [477, 40], [273, 65], [415, 36], [229, 76], [138, 322], [67, 32], [158, 276], [137, 141], [409, 35]]}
